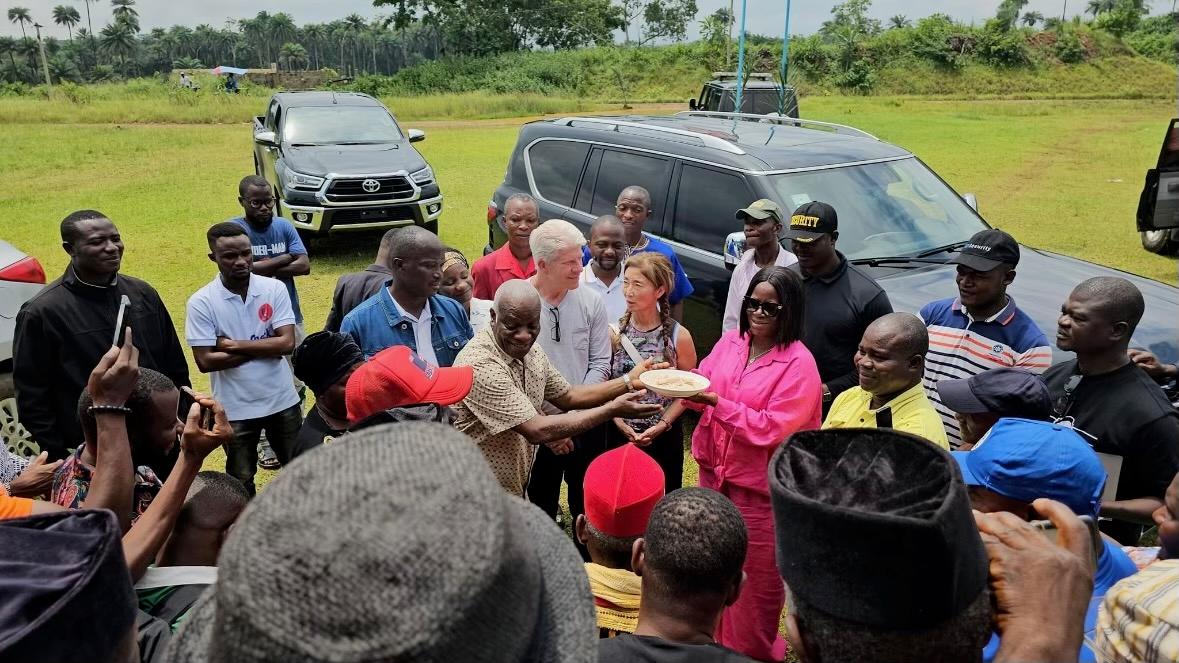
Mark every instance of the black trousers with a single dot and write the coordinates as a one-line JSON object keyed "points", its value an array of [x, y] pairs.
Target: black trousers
{"points": [[549, 469]]}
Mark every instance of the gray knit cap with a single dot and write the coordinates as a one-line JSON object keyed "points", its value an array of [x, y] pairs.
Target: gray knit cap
{"points": [[397, 544]]}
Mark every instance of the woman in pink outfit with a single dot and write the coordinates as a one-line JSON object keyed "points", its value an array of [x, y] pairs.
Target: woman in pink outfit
{"points": [[765, 387]]}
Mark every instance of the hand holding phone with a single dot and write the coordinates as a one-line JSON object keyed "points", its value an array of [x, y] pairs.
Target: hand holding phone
{"points": [[188, 398], [122, 322]]}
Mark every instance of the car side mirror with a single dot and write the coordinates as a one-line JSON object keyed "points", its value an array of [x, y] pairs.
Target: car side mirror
{"points": [[734, 249], [971, 200], [266, 138], [416, 135], [692, 104]]}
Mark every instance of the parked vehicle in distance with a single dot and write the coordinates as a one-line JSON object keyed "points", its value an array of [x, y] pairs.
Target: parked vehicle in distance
{"points": [[21, 277], [339, 161], [897, 219], [762, 95], [1158, 206]]}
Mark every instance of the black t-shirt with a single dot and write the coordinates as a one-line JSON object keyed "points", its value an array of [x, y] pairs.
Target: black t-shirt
{"points": [[628, 648], [1130, 416], [839, 307], [312, 434]]}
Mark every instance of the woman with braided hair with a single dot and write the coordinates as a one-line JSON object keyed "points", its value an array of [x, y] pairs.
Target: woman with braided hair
{"points": [[459, 286], [650, 331]]}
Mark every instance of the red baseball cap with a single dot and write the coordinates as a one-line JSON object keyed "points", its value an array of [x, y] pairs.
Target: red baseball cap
{"points": [[396, 376], [621, 489]]}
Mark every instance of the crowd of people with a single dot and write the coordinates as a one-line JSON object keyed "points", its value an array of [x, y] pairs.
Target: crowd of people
{"points": [[904, 487]]}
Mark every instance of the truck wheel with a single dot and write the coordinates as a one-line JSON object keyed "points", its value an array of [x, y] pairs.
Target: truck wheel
{"points": [[1162, 242]]}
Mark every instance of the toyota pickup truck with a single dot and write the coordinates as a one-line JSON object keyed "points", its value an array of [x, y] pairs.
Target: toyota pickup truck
{"points": [[339, 161]]}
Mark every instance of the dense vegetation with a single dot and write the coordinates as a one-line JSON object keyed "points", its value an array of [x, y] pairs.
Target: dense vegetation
{"points": [[424, 48]]}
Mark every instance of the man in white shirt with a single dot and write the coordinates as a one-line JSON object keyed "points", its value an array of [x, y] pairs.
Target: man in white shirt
{"points": [[603, 274], [574, 333], [240, 327], [763, 248]]}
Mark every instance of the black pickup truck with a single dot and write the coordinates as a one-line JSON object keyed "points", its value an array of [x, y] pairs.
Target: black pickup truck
{"points": [[339, 161]]}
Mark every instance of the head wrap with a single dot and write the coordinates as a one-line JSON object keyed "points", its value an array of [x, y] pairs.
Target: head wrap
{"points": [[452, 258]]}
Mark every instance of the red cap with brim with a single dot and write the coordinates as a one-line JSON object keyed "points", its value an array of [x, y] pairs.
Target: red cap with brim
{"points": [[397, 377], [621, 488]]}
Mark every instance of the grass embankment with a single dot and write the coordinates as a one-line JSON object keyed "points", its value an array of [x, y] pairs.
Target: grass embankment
{"points": [[1063, 176]]}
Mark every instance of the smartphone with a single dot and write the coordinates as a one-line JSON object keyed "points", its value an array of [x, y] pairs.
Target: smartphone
{"points": [[121, 322], [187, 399], [1049, 530]]}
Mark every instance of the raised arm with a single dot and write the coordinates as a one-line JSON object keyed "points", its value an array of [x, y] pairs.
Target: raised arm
{"points": [[549, 427], [112, 485], [151, 531], [586, 396]]}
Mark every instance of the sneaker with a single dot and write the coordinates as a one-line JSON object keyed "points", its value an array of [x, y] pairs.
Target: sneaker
{"points": [[267, 459]]}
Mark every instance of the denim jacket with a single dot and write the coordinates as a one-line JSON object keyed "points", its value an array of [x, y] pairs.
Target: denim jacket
{"points": [[377, 324]]}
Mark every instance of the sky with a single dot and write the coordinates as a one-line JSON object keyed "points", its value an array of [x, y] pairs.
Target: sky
{"points": [[764, 16]]}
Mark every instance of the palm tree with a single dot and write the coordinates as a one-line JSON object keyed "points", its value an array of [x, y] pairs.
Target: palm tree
{"points": [[67, 16], [1100, 7], [8, 45], [1030, 19], [314, 34], [124, 9], [281, 30], [20, 16], [354, 27], [119, 39], [27, 47], [899, 21], [293, 54]]}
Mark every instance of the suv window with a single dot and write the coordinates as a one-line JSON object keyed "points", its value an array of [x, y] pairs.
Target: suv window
{"points": [[705, 205], [619, 170], [556, 168]]}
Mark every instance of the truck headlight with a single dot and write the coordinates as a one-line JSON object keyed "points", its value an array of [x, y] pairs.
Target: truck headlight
{"points": [[301, 181], [423, 176]]}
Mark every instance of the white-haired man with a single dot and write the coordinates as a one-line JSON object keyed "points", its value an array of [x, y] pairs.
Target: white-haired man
{"points": [[574, 333]]}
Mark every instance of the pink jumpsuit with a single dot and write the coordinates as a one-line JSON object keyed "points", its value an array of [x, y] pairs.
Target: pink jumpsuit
{"points": [[758, 407]]}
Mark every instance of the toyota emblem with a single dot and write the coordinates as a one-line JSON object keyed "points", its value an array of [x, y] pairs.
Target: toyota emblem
{"points": [[370, 185]]}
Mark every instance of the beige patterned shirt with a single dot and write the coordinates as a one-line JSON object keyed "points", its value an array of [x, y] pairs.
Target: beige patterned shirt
{"points": [[505, 393]]}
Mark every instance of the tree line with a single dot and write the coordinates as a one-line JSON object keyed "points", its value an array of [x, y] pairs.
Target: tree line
{"points": [[413, 31]]}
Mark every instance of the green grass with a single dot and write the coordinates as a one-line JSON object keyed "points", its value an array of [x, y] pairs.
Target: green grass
{"points": [[1059, 175]]}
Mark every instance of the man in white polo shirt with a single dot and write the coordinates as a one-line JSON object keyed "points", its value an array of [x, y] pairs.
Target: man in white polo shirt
{"points": [[240, 326]]}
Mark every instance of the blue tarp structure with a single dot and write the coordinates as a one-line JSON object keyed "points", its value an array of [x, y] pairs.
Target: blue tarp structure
{"points": [[229, 70]]}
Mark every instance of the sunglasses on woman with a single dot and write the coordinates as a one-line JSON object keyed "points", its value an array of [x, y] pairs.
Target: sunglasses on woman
{"points": [[770, 309]]}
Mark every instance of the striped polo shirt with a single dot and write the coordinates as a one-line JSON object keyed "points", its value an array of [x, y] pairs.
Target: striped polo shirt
{"points": [[960, 347]]}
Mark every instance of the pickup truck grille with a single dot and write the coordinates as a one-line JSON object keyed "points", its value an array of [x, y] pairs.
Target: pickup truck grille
{"points": [[353, 190]]}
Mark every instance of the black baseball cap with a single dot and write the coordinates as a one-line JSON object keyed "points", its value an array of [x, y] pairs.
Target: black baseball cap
{"points": [[1008, 392], [811, 221], [988, 249]]}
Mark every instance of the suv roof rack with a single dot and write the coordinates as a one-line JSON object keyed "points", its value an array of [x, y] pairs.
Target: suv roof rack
{"points": [[707, 140], [732, 75], [841, 129]]}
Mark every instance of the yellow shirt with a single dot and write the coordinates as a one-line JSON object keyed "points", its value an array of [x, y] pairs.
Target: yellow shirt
{"points": [[912, 412]]}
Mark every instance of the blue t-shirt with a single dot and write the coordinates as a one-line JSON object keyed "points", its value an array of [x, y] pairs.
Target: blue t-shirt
{"points": [[683, 287], [279, 238], [1113, 566]]}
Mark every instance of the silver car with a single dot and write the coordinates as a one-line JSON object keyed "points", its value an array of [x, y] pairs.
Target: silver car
{"points": [[21, 277]]}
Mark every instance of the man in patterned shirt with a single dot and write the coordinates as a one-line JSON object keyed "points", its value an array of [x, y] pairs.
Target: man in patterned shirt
{"points": [[513, 378]]}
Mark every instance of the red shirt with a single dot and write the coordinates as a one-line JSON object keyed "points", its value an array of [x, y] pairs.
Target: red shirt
{"points": [[493, 269]]}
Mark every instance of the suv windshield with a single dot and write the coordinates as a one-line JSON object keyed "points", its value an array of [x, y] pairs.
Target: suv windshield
{"points": [[895, 208], [337, 125]]}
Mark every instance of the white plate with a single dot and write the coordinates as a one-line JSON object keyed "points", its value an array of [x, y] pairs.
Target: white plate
{"points": [[652, 380]]}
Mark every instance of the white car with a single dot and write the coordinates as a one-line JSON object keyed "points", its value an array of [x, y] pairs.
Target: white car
{"points": [[21, 277]]}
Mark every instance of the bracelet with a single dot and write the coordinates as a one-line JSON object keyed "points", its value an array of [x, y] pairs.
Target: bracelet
{"points": [[665, 422], [626, 381], [109, 409]]}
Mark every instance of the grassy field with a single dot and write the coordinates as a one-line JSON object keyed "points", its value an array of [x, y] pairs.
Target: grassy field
{"points": [[1059, 175]]}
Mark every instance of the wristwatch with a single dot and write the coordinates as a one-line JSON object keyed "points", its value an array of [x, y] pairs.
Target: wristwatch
{"points": [[626, 380], [827, 397]]}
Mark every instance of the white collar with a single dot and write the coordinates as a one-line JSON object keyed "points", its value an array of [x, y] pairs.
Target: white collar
{"points": [[168, 576]]}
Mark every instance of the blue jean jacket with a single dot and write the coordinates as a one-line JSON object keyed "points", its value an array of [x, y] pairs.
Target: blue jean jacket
{"points": [[377, 324]]}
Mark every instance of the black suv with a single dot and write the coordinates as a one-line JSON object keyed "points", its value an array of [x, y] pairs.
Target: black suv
{"points": [[1158, 206], [762, 95], [339, 161], [897, 218]]}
